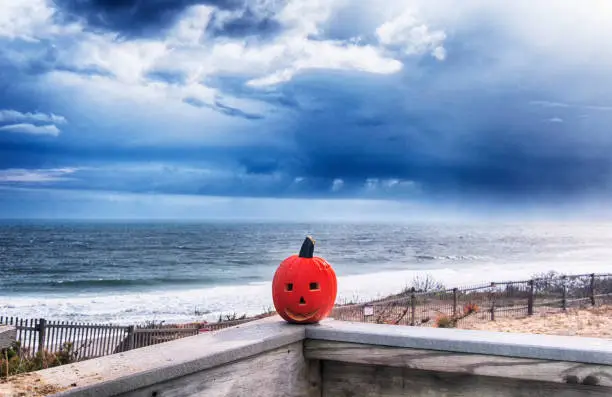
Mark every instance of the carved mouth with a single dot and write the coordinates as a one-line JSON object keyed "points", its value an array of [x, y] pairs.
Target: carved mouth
{"points": [[300, 317]]}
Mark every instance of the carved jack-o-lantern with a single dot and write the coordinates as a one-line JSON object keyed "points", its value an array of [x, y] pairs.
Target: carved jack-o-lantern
{"points": [[304, 287]]}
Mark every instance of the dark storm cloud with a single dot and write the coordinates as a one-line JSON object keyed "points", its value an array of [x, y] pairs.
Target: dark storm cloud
{"points": [[465, 126], [37, 58], [261, 165], [246, 22], [380, 141], [455, 140], [167, 77], [152, 17], [235, 112], [220, 107], [280, 97]]}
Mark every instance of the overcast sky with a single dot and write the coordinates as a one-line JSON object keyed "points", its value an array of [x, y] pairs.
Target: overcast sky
{"points": [[304, 108]]}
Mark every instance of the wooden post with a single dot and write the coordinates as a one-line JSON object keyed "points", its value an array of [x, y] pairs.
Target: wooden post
{"points": [[412, 309], [314, 370], [42, 329], [455, 299], [130, 337], [592, 289], [531, 298], [492, 298], [564, 295]]}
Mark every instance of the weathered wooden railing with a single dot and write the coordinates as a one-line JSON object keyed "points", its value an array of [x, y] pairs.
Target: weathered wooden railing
{"points": [[335, 358]]}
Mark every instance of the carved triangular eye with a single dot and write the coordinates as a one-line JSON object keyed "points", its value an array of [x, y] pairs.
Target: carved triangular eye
{"points": [[314, 286], [289, 287]]}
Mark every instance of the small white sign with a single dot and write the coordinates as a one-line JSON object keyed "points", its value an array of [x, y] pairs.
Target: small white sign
{"points": [[368, 311]]}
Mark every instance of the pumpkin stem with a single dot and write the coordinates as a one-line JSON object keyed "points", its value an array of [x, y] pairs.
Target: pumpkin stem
{"points": [[307, 250]]}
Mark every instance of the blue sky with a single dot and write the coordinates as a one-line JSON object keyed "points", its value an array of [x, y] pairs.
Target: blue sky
{"points": [[304, 108]]}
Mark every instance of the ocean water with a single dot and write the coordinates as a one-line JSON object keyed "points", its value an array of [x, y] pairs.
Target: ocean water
{"points": [[131, 272]]}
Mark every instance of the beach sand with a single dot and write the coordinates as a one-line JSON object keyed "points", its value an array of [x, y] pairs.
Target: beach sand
{"points": [[591, 322]]}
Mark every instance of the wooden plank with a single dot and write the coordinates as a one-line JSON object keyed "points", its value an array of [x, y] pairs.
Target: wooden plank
{"points": [[90, 338], [277, 373], [56, 336], [20, 336], [74, 336], [70, 332], [97, 344], [119, 338], [113, 340], [34, 323], [62, 333], [29, 342], [78, 339], [81, 339], [107, 341], [136, 339], [348, 379], [474, 364], [42, 336], [87, 347], [50, 334]]}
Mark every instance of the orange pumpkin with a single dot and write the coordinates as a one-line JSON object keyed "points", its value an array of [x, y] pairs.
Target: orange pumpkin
{"points": [[304, 287]]}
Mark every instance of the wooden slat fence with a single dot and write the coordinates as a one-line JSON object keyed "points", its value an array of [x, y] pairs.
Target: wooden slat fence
{"points": [[88, 340], [143, 337], [497, 299], [225, 324]]}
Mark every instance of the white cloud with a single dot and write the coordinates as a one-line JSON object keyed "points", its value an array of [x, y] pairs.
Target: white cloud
{"points": [[337, 185], [439, 53], [303, 18], [549, 104], [392, 185], [412, 36], [187, 49], [128, 61], [555, 120], [36, 175], [26, 128], [30, 20], [412, 27], [371, 184], [190, 30], [399, 185], [15, 116], [331, 55], [273, 61]]}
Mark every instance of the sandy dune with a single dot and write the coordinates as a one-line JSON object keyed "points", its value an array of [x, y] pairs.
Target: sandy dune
{"points": [[591, 322]]}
